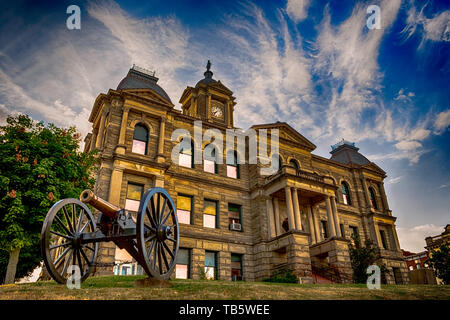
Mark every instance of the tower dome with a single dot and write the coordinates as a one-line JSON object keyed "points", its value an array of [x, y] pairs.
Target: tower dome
{"points": [[140, 78]]}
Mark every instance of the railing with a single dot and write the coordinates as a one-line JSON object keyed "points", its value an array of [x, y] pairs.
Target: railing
{"points": [[329, 272], [299, 173]]}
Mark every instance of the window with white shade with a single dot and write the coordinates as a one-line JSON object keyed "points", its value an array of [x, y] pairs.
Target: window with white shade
{"points": [[183, 264], [185, 157], [210, 159], [140, 139], [346, 194], [134, 195], [232, 165], [184, 209], [211, 265]]}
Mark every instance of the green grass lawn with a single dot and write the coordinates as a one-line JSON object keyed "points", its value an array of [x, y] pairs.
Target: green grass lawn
{"points": [[122, 287]]}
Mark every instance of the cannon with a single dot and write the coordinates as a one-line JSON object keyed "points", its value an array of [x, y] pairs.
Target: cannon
{"points": [[70, 234]]}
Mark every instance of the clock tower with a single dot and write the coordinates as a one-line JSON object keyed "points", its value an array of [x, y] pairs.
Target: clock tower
{"points": [[209, 101]]}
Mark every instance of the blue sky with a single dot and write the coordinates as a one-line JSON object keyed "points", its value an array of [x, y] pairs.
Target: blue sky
{"points": [[313, 64]]}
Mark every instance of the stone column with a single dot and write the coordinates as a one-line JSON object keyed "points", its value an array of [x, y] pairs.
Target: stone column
{"points": [[290, 208], [115, 186], [277, 216], [331, 226], [384, 197], [93, 138], [298, 219], [311, 224], [270, 218], [123, 130], [316, 218], [394, 234], [160, 155], [101, 131], [335, 216]]}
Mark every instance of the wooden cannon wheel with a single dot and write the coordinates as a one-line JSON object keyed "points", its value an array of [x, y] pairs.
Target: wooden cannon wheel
{"points": [[157, 233], [60, 239]]}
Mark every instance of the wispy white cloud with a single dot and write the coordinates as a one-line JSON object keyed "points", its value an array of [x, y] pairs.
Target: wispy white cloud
{"points": [[413, 238], [442, 121], [394, 180], [297, 9], [434, 29]]}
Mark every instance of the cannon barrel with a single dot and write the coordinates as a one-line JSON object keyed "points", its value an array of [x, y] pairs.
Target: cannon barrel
{"points": [[108, 209]]}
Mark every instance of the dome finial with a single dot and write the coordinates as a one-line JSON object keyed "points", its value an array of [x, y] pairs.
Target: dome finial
{"points": [[208, 73]]}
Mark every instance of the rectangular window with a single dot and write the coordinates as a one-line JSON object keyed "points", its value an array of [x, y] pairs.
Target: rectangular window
{"points": [[184, 209], [236, 267], [354, 230], [324, 229], [232, 171], [211, 265], [134, 194], [234, 217], [185, 160], [210, 214], [383, 239], [183, 266], [209, 166]]}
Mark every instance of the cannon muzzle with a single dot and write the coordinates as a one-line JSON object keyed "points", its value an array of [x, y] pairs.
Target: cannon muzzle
{"points": [[108, 209]]}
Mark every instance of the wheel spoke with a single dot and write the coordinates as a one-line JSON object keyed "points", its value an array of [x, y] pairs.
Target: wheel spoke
{"points": [[85, 257], [150, 228], [158, 203], [66, 214], [80, 219], [61, 235], [150, 238], [74, 215], [87, 247], [172, 239], [168, 250], [150, 217], [150, 249], [154, 256], [63, 226], [167, 217], [64, 270], [165, 259], [159, 259], [60, 257], [59, 245], [80, 263], [162, 210], [84, 227]]}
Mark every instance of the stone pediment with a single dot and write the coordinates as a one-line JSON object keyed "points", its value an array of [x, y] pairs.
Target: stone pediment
{"points": [[288, 133], [373, 167], [148, 94]]}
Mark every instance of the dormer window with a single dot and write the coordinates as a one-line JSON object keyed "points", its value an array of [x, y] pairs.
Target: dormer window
{"points": [[373, 199]]}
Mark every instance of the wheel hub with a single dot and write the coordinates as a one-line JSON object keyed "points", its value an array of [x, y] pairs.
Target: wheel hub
{"points": [[164, 232]]}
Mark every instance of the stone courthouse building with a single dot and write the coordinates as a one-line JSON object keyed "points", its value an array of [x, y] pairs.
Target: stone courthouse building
{"points": [[236, 223]]}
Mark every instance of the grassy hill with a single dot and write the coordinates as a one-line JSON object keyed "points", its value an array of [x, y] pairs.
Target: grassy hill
{"points": [[121, 287]]}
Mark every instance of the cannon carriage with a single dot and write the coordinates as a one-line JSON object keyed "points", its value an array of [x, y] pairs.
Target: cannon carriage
{"points": [[70, 234]]}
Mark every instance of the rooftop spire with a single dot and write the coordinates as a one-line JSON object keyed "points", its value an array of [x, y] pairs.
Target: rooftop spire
{"points": [[208, 73]]}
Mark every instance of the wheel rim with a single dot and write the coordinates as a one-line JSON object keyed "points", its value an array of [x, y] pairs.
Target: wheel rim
{"points": [[61, 243], [158, 233]]}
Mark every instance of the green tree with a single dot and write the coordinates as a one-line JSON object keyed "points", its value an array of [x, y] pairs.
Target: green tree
{"points": [[362, 257], [439, 261], [39, 165]]}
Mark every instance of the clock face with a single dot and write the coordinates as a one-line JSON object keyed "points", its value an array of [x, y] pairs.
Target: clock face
{"points": [[217, 111]]}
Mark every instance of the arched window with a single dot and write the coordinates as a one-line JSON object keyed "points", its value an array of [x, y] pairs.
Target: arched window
{"points": [[293, 164], [210, 159], [232, 165], [346, 193], [140, 139], [373, 199], [185, 158], [276, 162]]}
